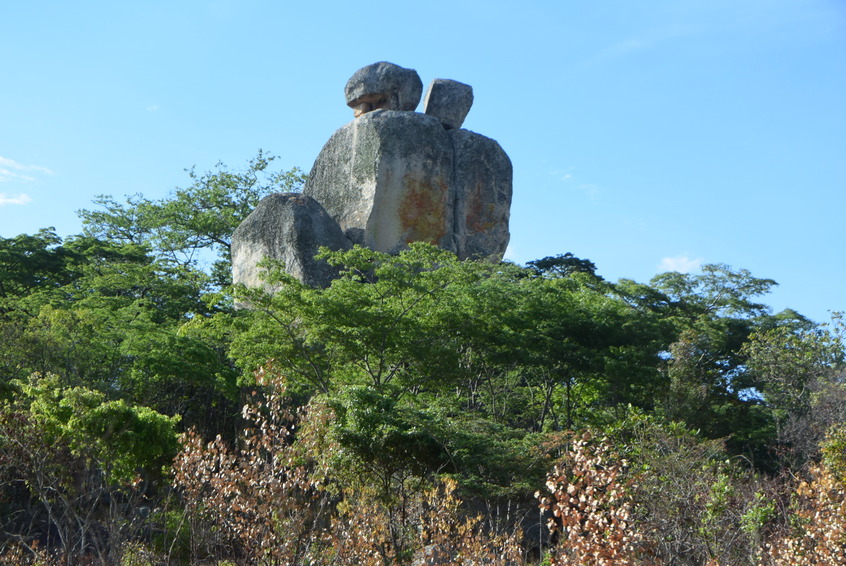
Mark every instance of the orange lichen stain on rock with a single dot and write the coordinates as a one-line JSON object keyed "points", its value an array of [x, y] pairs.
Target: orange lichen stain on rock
{"points": [[479, 216], [423, 210]]}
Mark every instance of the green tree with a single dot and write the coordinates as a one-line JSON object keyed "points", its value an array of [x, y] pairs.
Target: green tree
{"points": [[799, 371], [719, 291], [562, 265], [116, 437], [30, 263], [710, 316], [71, 464], [185, 226], [111, 322], [450, 362]]}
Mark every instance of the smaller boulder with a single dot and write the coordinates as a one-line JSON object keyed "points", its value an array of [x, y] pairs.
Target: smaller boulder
{"points": [[449, 101], [383, 86], [290, 227]]}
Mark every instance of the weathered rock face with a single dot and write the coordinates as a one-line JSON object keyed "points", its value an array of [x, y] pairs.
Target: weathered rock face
{"points": [[289, 227], [483, 177], [390, 177], [387, 179]]}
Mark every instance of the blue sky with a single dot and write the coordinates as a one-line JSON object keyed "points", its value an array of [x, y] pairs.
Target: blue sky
{"points": [[645, 136]]}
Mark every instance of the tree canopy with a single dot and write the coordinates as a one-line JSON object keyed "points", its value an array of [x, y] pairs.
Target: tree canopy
{"points": [[407, 369]]}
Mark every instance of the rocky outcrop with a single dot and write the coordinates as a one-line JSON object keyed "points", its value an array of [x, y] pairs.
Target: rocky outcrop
{"points": [[390, 177]]}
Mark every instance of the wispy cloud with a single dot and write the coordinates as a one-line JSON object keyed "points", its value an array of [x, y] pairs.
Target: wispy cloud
{"points": [[22, 198], [153, 108], [590, 190], [681, 263], [621, 49], [561, 175], [11, 170], [718, 27]]}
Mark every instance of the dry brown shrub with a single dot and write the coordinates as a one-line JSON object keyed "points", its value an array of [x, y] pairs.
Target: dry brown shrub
{"points": [[261, 500], [275, 499], [817, 534], [591, 509]]}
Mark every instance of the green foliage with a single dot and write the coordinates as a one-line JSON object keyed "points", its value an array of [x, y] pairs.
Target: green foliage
{"points": [[707, 319], [719, 290], [267, 498], [758, 515], [110, 323], [798, 370], [190, 220], [422, 321], [118, 438], [386, 438], [562, 265], [411, 366], [73, 471], [693, 501], [31, 262]]}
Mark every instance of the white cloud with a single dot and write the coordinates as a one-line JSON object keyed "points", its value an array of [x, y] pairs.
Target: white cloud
{"points": [[11, 170], [682, 264], [22, 198], [624, 48], [6, 175], [561, 175], [153, 108], [618, 50], [591, 190]]}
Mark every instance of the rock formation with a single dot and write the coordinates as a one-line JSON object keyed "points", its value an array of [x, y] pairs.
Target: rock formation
{"points": [[390, 177]]}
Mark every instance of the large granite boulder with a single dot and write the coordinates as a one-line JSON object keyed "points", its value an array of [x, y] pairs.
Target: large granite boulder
{"points": [[387, 179], [290, 227]]}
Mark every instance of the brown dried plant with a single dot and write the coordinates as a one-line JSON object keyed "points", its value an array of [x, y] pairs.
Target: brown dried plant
{"points": [[261, 500], [817, 535], [275, 499], [449, 539], [591, 509]]}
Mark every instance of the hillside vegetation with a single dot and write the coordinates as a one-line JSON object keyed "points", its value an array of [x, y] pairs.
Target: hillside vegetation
{"points": [[420, 410]]}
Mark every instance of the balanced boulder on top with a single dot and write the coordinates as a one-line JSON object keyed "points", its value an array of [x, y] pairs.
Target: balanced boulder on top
{"points": [[383, 86]]}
